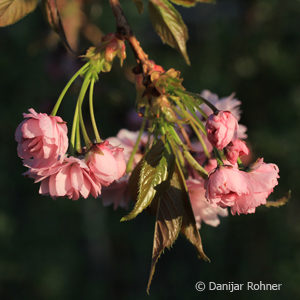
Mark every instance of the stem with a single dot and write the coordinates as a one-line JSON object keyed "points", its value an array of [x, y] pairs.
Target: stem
{"points": [[75, 122], [135, 148], [200, 140], [82, 93], [96, 132], [125, 32], [198, 96], [218, 157], [64, 91], [78, 142], [188, 156]]}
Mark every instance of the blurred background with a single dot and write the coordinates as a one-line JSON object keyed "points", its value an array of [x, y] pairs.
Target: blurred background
{"points": [[59, 249]]}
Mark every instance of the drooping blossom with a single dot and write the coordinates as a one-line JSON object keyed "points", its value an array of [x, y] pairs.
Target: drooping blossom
{"points": [[243, 191], [42, 139], [221, 129], [262, 179], [235, 149], [106, 162], [202, 209], [117, 193], [228, 103], [126, 139], [70, 178]]}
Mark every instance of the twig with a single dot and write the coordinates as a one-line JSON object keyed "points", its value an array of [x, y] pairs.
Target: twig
{"points": [[124, 31]]}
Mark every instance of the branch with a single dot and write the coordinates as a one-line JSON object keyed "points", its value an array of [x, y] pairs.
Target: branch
{"points": [[124, 31]]}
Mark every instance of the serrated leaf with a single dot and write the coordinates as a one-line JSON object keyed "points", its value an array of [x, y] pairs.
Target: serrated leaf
{"points": [[11, 11], [154, 171], [174, 216], [139, 5], [189, 3], [169, 25]]}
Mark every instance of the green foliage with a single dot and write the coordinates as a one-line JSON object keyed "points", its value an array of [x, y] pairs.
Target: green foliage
{"points": [[189, 3], [155, 167], [169, 25], [11, 11]]}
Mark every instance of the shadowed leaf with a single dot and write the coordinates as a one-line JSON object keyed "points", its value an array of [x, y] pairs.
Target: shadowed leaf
{"points": [[169, 25], [52, 11], [139, 5], [280, 202], [154, 171], [11, 11], [189, 3], [174, 215]]}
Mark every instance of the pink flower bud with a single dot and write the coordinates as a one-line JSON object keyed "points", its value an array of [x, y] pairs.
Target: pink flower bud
{"points": [[202, 209], [236, 149], [106, 162], [71, 178], [42, 139], [221, 129]]}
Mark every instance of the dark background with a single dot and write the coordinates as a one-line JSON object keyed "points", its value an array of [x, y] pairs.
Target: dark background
{"points": [[59, 249]]}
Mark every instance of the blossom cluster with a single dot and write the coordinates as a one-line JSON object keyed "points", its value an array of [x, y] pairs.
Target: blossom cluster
{"points": [[43, 144]]}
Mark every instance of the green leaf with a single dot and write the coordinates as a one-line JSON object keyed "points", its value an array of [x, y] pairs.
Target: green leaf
{"points": [[169, 25], [11, 11], [174, 215], [154, 171], [189, 3], [139, 5]]}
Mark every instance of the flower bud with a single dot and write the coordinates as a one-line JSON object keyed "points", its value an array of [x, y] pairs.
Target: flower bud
{"points": [[221, 129]]}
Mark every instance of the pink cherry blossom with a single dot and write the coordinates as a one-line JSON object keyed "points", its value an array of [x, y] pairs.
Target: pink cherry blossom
{"points": [[42, 139], [202, 209], [261, 179], [236, 149], [117, 193], [228, 103], [71, 178], [242, 191], [221, 129], [126, 139], [226, 185], [106, 162]]}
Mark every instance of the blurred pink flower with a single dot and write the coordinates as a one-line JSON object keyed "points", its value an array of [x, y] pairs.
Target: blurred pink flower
{"points": [[235, 149], [42, 139], [106, 162], [71, 178], [221, 129], [202, 209]]}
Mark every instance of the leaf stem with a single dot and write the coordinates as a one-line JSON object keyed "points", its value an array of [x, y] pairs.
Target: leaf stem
{"points": [[64, 91]]}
